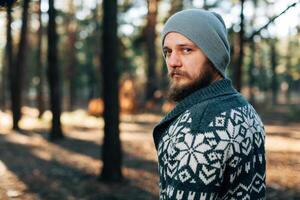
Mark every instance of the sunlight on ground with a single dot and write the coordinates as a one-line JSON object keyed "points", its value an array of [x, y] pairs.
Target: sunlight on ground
{"points": [[46, 150], [280, 138], [80, 151], [11, 186], [5, 121], [283, 138]]}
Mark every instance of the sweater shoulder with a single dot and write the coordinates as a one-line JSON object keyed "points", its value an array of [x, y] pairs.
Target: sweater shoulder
{"points": [[204, 113]]}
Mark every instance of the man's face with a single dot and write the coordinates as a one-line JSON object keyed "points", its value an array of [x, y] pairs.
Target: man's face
{"points": [[188, 67]]}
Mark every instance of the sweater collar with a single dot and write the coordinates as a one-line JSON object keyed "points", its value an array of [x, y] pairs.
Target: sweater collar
{"points": [[218, 88]]}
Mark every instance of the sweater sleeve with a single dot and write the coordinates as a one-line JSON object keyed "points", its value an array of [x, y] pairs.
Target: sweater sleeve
{"points": [[189, 166], [223, 159]]}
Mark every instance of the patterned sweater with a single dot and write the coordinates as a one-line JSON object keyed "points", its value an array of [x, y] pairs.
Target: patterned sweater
{"points": [[211, 146]]}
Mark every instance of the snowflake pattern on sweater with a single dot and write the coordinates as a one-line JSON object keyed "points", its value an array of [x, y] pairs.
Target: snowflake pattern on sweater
{"points": [[226, 161]]}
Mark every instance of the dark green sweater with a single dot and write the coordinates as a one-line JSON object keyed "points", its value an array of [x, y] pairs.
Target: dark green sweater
{"points": [[211, 146]]}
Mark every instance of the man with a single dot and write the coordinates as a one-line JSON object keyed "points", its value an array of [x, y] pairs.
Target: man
{"points": [[211, 145]]}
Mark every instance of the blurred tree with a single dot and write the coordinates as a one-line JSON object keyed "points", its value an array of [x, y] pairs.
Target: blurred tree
{"points": [[271, 20], [176, 6], [211, 4], [288, 74], [205, 6], [263, 69], [53, 75], [18, 69], [274, 63], [9, 50], [3, 89], [238, 50], [238, 72], [252, 64], [150, 32], [90, 70], [72, 63], [112, 153], [7, 3], [40, 66], [251, 69], [93, 58]]}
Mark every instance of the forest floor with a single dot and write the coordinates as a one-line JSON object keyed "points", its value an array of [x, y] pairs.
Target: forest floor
{"points": [[33, 168]]}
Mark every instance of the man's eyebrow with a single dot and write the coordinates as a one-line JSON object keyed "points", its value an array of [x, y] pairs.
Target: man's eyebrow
{"points": [[181, 45], [186, 44]]}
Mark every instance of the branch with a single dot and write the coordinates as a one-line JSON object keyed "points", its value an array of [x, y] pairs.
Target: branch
{"points": [[270, 21]]}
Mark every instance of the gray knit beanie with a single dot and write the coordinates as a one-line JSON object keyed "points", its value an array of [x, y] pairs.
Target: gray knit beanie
{"points": [[207, 30]]}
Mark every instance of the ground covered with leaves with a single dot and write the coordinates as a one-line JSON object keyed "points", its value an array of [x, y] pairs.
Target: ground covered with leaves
{"points": [[33, 168]]}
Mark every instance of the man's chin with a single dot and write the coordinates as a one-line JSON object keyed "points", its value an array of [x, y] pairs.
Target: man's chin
{"points": [[179, 84], [177, 92]]}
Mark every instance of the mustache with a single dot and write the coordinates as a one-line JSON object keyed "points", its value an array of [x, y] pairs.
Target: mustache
{"points": [[177, 72]]}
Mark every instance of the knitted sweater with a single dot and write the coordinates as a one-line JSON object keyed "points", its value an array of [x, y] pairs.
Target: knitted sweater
{"points": [[211, 146]]}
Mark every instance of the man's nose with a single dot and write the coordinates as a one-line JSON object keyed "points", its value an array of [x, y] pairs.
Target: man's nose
{"points": [[174, 60]]}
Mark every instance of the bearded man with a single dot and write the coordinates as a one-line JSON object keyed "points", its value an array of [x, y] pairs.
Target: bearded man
{"points": [[211, 145]]}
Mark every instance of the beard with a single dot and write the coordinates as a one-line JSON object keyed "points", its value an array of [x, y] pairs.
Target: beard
{"points": [[178, 92]]}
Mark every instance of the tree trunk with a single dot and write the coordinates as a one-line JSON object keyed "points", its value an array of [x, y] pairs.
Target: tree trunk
{"points": [[205, 6], [251, 69], [288, 77], [18, 70], [40, 67], [274, 74], [9, 50], [238, 72], [252, 66], [71, 70], [93, 59], [151, 50], [176, 6], [3, 90], [112, 153], [53, 75], [7, 63]]}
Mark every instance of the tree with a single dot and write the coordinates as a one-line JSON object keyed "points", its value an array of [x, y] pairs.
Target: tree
{"points": [[17, 70], [239, 55], [92, 58], [205, 6], [252, 63], [288, 75], [271, 20], [176, 6], [9, 51], [53, 75], [112, 153], [238, 72], [274, 62], [150, 32], [251, 69], [40, 74], [7, 3], [71, 68]]}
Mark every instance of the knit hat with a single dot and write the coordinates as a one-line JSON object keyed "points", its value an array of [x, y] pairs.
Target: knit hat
{"points": [[207, 30]]}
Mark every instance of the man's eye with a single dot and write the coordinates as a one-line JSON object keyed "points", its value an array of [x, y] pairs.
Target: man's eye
{"points": [[167, 53], [187, 50]]}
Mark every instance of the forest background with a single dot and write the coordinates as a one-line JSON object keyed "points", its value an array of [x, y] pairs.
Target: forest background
{"points": [[82, 84]]}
